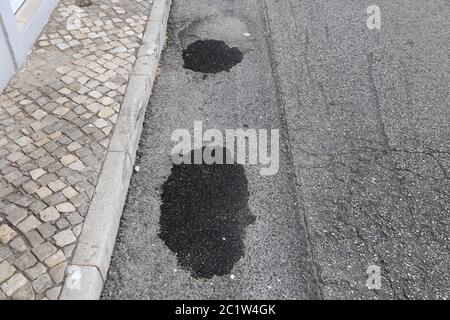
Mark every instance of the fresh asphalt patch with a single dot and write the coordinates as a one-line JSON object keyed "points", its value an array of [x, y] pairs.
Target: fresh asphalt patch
{"points": [[217, 231], [204, 214], [210, 56]]}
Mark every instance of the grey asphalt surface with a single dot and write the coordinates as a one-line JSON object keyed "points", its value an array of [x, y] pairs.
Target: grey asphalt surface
{"points": [[365, 159]]}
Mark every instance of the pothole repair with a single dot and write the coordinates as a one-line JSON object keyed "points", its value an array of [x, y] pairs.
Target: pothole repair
{"points": [[204, 214], [211, 56], [83, 3]]}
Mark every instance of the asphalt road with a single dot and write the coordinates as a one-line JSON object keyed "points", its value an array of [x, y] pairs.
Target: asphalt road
{"points": [[364, 162]]}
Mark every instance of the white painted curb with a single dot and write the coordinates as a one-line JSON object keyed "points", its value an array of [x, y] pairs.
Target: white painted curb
{"points": [[86, 275]]}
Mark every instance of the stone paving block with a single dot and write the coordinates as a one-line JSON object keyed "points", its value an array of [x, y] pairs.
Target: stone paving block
{"points": [[64, 238], [62, 224], [49, 214], [34, 238], [15, 217], [6, 233], [36, 174], [77, 166], [24, 293], [68, 250], [24, 200], [65, 207], [43, 192], [57, 185], [36, 271], [55, 199], [18, 244], [46, 230], [45, 250], [14, 213], [37, 206], [28, 224], [84, 282], [74, 218], [42, 283], [69, 192], [10, 286], [47, 178], [6, 271], [25, 261], [55, 259], [53, 294], [77, 229], [68, 159]]}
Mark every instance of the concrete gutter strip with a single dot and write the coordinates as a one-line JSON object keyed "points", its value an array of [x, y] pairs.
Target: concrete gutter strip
{"points": [[88, 270]]}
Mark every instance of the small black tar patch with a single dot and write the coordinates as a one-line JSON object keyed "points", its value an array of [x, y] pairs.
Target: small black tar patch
{"points": [[204, 214], [210, 56]]}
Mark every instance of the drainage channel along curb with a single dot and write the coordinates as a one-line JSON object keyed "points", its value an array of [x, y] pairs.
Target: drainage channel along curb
{"points": [[87, 273]]}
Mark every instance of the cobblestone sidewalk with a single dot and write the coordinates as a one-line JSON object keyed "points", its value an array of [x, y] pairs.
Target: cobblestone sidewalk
{"points": [[56, 119]]}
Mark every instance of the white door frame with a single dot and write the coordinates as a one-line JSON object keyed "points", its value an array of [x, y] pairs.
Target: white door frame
{"points": [[16, 4]]}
